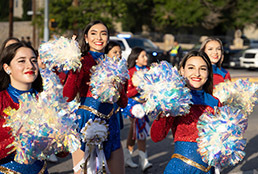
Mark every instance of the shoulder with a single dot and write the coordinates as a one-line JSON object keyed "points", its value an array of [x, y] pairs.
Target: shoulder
{"points": [[224, 70], [6, 100], [87, 61], [132, 70], [213, 101], [3, 94]]}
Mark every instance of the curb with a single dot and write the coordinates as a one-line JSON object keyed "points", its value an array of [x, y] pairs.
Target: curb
{"points": [[254, 171]]}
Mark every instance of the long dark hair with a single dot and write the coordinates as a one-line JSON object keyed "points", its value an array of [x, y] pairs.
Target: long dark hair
{"points": [[131, 61], [7, 40], [6, 57], [208, 86], [85, 46], [111, 45], [203, 46]]}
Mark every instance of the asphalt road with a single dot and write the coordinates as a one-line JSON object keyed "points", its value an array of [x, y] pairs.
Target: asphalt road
{"points": [[160, 153]]}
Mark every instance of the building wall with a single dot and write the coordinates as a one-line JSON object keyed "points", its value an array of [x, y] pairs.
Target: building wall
{"points": [[17, 8], [20, 29]]}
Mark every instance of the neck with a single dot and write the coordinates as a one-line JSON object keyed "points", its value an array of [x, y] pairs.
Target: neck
{"points": [[139, 65], [99, 51], [22, 87]]}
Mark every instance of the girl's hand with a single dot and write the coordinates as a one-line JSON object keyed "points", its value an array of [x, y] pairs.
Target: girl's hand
{"points": [[161, 114]]}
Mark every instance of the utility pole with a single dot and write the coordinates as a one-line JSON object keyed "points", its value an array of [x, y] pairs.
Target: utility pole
{"points": [[33, 26], [46, 19], [75, 31], [10, 18]]}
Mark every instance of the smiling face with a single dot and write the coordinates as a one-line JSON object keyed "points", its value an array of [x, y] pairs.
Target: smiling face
{"points": [[97, 37], [23, 69], [142, 59], [115, 52], [196, 72], [214, 51]]}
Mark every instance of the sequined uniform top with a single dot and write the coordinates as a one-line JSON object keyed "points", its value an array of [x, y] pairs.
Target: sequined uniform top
{"points": [[186, 159], [8, 98], [184, 128], [219, 75], [78, 82]]}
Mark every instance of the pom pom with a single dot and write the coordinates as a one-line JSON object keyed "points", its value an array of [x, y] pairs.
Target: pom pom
{"points": [[94, 132], [220, 141], [44, 124], [241, 94], [107, 77], [164, 89], [138, 111], [63, 54]]}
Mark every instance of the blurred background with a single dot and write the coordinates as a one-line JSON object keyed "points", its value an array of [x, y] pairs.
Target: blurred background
{"points": [[159, 21]]}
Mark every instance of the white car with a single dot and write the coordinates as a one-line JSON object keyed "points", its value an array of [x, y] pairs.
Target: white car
{"points": [[249, 58], [126, 49], [127, 43]]}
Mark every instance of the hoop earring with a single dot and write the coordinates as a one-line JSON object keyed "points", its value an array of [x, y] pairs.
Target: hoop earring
{"points": [[86, 42]]}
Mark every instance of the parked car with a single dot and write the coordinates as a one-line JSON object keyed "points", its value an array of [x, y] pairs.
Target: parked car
{"points": [[249, 59], [234, 59], [253, 43], [127, 43]]}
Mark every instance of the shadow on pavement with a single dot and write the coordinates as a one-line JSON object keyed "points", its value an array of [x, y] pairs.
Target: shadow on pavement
{"points": [[159, 154], [247, 163]]}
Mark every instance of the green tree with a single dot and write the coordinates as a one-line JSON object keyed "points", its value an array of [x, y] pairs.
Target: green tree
{"points": [[4, 8], [137, 14], [176, 14], [70, 17], [245, 13], [27, 6]]}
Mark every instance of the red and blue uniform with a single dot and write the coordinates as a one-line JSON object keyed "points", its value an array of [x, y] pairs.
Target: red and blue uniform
{"points": [[141, 127], [219, 75], [9, 98], [78, 82], [185, 133]]}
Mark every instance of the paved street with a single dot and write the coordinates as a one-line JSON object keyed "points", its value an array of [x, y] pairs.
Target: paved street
{"points": [[160, 153]]}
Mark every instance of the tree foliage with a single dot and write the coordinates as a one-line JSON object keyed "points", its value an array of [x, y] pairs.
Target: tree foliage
{"points": [[27, 6], [4, 8], [75, 17], [158, 15]]}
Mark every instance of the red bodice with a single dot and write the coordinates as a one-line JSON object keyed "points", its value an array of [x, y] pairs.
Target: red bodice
{"points": [[131, 89], [6, 137], [184, 128], [78, 82]]}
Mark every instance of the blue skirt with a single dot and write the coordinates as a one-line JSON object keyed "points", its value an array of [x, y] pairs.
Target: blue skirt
{"points": [[188, 150], [34, 168], [113, 140]]}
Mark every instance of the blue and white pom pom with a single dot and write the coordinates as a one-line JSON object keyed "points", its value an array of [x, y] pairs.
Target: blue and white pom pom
{"points": [[241, 94], [221, 141], [164, 89], [62, 53], [107, 77]]}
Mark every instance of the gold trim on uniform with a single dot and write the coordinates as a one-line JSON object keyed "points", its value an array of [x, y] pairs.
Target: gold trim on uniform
{"points": [[117, 110], [97, 113], [191, 162], [138, 99]]}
